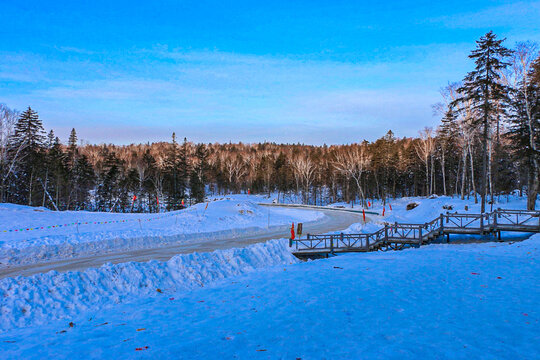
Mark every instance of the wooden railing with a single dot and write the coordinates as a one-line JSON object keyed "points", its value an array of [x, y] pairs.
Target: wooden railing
{"points": [[396, 236]]}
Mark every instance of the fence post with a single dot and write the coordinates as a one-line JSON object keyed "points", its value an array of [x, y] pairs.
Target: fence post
{"points": [[332, 244], [481, 223], [441, 229], [495, 225], [420, 235], [367, 242], [341, 238]]}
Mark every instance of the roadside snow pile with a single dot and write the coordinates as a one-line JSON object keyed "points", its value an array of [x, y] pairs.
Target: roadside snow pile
{"points": [[45, 297], [66, 234]]}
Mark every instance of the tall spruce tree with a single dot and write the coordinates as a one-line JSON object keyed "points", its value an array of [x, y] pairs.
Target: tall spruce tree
{"points": [[83, 179], [58, 173], [72, 147], [483, 88], [28, 142], [172, 186], [197, 179], [108, 193]]}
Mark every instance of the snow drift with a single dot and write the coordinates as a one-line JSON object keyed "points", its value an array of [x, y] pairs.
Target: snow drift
{"points": [[45, 297]]}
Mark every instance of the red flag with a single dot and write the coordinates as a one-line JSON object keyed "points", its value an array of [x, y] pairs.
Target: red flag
{"points": [[292, 231], [368, 204], [134, 197], [364, 215], [182, 202]]}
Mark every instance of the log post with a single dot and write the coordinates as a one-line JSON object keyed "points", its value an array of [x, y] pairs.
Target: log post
{"points": [[481, 223], [495, 226], [367, 242]]}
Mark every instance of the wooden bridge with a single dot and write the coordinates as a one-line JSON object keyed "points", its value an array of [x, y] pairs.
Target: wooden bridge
{"points": [[399, 236]]}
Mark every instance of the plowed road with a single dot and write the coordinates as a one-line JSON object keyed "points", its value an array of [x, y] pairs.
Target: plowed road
{"points": [[333, 221]]}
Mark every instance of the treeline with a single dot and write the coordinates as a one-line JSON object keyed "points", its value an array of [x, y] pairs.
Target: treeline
{"points": [[486, 145]]}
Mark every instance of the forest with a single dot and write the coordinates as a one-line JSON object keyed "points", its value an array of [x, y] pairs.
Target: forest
{"points": [[486, 145]]}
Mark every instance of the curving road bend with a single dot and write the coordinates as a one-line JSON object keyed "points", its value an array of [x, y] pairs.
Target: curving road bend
{"points": [[332, 221]]}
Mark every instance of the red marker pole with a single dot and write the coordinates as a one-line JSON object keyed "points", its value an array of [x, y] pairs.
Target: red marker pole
{"points": [[390, 206], [364, 215], [383, 211], [133, 202], [292, 232]]}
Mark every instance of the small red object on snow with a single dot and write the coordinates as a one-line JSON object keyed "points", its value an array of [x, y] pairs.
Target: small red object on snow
{"points": [[475, 273]]}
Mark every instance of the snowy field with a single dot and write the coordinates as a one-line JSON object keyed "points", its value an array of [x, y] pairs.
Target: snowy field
{"points": [[36, 234], [474, 301], [439, 301]]}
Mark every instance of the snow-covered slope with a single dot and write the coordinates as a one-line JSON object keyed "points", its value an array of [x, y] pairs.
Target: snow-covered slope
{"points": [[36, 234]]}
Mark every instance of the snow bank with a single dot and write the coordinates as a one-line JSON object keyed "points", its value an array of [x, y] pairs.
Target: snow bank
{"points": [[45, 297]]}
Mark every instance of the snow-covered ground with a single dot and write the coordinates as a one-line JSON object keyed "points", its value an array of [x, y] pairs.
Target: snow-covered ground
{"points": [[40, 298], [428, 209], [36, 234], [473, 301], [438, 301]]}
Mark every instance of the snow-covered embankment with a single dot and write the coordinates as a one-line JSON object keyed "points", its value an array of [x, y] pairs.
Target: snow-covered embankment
{"points": [[42, 298]]}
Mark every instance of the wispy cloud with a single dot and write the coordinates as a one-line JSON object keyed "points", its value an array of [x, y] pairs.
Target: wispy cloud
{"points": [[520, 15], [221, 96]]}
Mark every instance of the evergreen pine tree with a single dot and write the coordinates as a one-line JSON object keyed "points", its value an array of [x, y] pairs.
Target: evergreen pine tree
{"points": [[108, 191], [83, 180], [483, 88], [197, 179], [72, 147], [28, 144], [58, 173]]}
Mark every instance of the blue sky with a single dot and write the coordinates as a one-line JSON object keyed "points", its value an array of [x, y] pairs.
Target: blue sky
{"points": [[304, 71]]}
